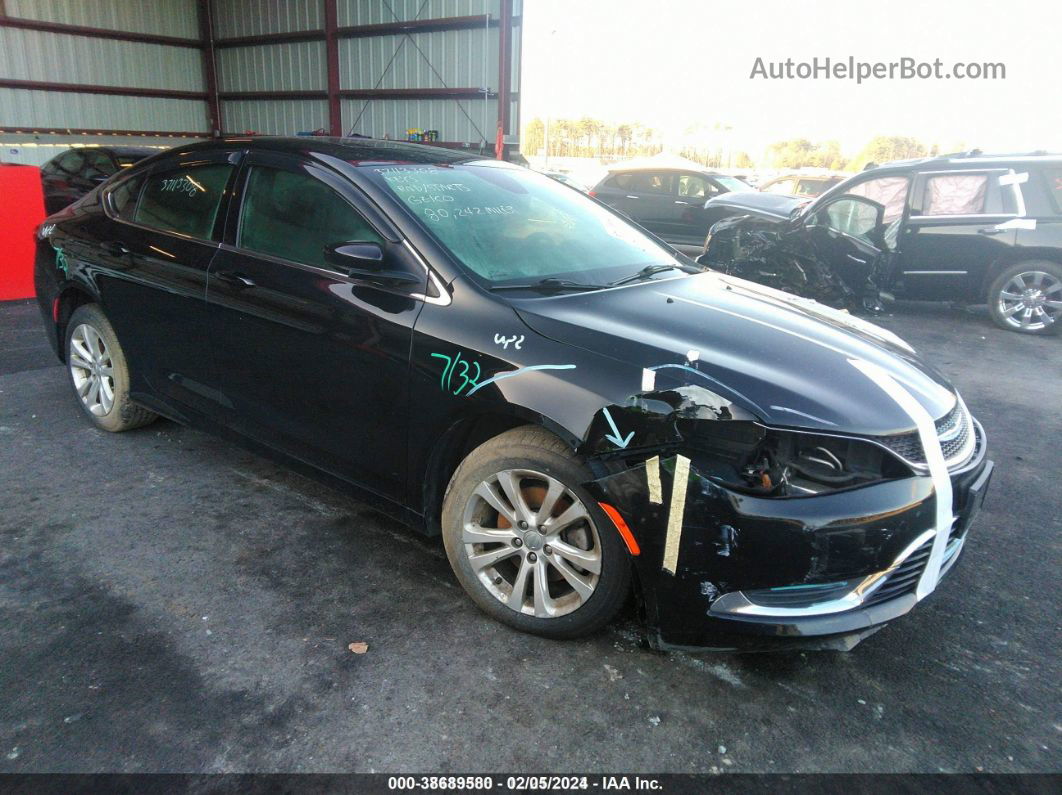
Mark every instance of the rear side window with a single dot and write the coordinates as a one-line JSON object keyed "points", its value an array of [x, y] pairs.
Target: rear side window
{"points": [[123, 197], [98, 164], [296, 217], [184, 200], [649, 182], [955, 194], [71, 162]]}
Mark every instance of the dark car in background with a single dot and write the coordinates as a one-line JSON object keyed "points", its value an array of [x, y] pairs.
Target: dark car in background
{"points": [[669, 202], [968, 228], [490, 355], [71, 174], [801, 184]]}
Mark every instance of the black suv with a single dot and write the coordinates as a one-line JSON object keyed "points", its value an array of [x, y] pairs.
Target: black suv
{"points": [[70, 175], [669, 202], [969, 228]]}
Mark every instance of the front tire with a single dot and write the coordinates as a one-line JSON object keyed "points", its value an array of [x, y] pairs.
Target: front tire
{"points": [[99, 372], [1027, 297], [527, 542]]}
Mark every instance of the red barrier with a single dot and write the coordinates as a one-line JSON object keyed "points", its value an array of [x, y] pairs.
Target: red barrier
{"points": [[21, 211]]}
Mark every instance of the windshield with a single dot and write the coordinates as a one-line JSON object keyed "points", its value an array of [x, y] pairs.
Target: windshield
{"points": [[733, 184], [509, 226]]}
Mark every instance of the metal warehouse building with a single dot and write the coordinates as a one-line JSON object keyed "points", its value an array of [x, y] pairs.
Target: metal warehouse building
{"points": [[155, 72]]}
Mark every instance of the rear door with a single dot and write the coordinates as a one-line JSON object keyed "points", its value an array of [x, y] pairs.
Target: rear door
{"points": [[153, 260], [314, 361], [956, 231], [650, 201], [688, 221]]}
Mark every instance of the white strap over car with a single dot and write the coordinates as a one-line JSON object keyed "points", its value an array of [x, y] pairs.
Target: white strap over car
{"points": [[938, 470]]}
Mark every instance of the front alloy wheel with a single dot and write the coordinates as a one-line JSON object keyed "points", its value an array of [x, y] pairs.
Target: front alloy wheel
{"points": [[527, 543], [532, 543]]}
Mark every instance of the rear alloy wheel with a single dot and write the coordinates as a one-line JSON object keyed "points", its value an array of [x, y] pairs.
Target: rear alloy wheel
{"points": [[1027, 297], [99, 373], [527, 543]]}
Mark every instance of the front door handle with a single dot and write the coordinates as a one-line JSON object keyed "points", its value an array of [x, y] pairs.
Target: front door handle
{"points": [[990, 230], [854, 258], [235, 278], [686, 204], [633, 197], [115, 249]]}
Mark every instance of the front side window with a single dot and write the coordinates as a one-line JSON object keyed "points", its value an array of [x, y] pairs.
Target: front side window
{"points": [[295, 216], [890, 192], [184, 200], [854, 218], [511, 226], [690, 186]]}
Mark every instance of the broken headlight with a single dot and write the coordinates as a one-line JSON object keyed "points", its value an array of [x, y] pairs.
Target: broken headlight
{"points": [[746, 456]]}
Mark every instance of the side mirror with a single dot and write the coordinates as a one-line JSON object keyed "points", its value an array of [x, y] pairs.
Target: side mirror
{"points": [[366, 261]]}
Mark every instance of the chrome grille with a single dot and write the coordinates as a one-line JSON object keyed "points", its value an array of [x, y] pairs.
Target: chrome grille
{"points": [[954, 430]]}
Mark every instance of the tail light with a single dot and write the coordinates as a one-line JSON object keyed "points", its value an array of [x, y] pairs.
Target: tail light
{"points": [[592, 193]]}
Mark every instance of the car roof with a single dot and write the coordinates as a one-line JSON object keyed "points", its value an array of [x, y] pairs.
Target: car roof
{"points": [[358, 151], [975, 158]]}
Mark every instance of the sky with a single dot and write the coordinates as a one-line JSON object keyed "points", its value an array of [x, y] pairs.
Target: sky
{"points": [[675, 64]]}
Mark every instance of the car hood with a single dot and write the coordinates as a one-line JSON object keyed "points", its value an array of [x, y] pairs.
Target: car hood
{"points": [[788, 360], [772, 205]]}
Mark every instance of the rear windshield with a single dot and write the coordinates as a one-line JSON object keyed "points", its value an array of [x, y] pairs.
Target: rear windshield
{"points": [[511, 225]]}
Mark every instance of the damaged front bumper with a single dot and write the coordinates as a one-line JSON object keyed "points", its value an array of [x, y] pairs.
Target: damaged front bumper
{"points": [[724, 570]]}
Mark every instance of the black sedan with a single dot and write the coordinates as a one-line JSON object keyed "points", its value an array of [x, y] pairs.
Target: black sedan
{"points": [[71, 174], [492, 356]]}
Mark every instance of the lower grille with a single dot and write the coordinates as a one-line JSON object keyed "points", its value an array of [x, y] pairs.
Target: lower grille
{"points": [[905, 578]]}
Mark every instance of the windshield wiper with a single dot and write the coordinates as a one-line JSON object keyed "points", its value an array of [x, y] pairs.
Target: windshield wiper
{"points": [[646, 272], [552, 285]]}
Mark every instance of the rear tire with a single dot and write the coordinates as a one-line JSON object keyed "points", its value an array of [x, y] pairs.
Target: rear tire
{"points": [[564, 573], [99, 372], [1027, 297]]}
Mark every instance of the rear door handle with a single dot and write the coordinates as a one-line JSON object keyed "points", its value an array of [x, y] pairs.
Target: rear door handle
{"points": [[687, 204], [990, 230], [235, 278], [856, 259], [633, 197], [115, 249]]}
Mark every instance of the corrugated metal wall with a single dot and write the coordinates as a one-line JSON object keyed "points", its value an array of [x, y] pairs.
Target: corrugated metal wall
{"points": [[415, 61], [62, 58], [161, 17], [465, 59]]}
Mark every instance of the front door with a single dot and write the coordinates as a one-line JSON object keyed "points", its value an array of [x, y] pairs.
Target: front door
{"points": [[845, 238], [314, 362]]}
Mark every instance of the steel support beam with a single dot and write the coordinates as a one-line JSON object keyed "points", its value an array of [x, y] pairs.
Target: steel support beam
{"points": [[210, 78], [335, 113]]}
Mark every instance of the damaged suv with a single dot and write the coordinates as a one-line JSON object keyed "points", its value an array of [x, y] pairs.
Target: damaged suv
{"points": [[967, 228], [486, 354]]}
